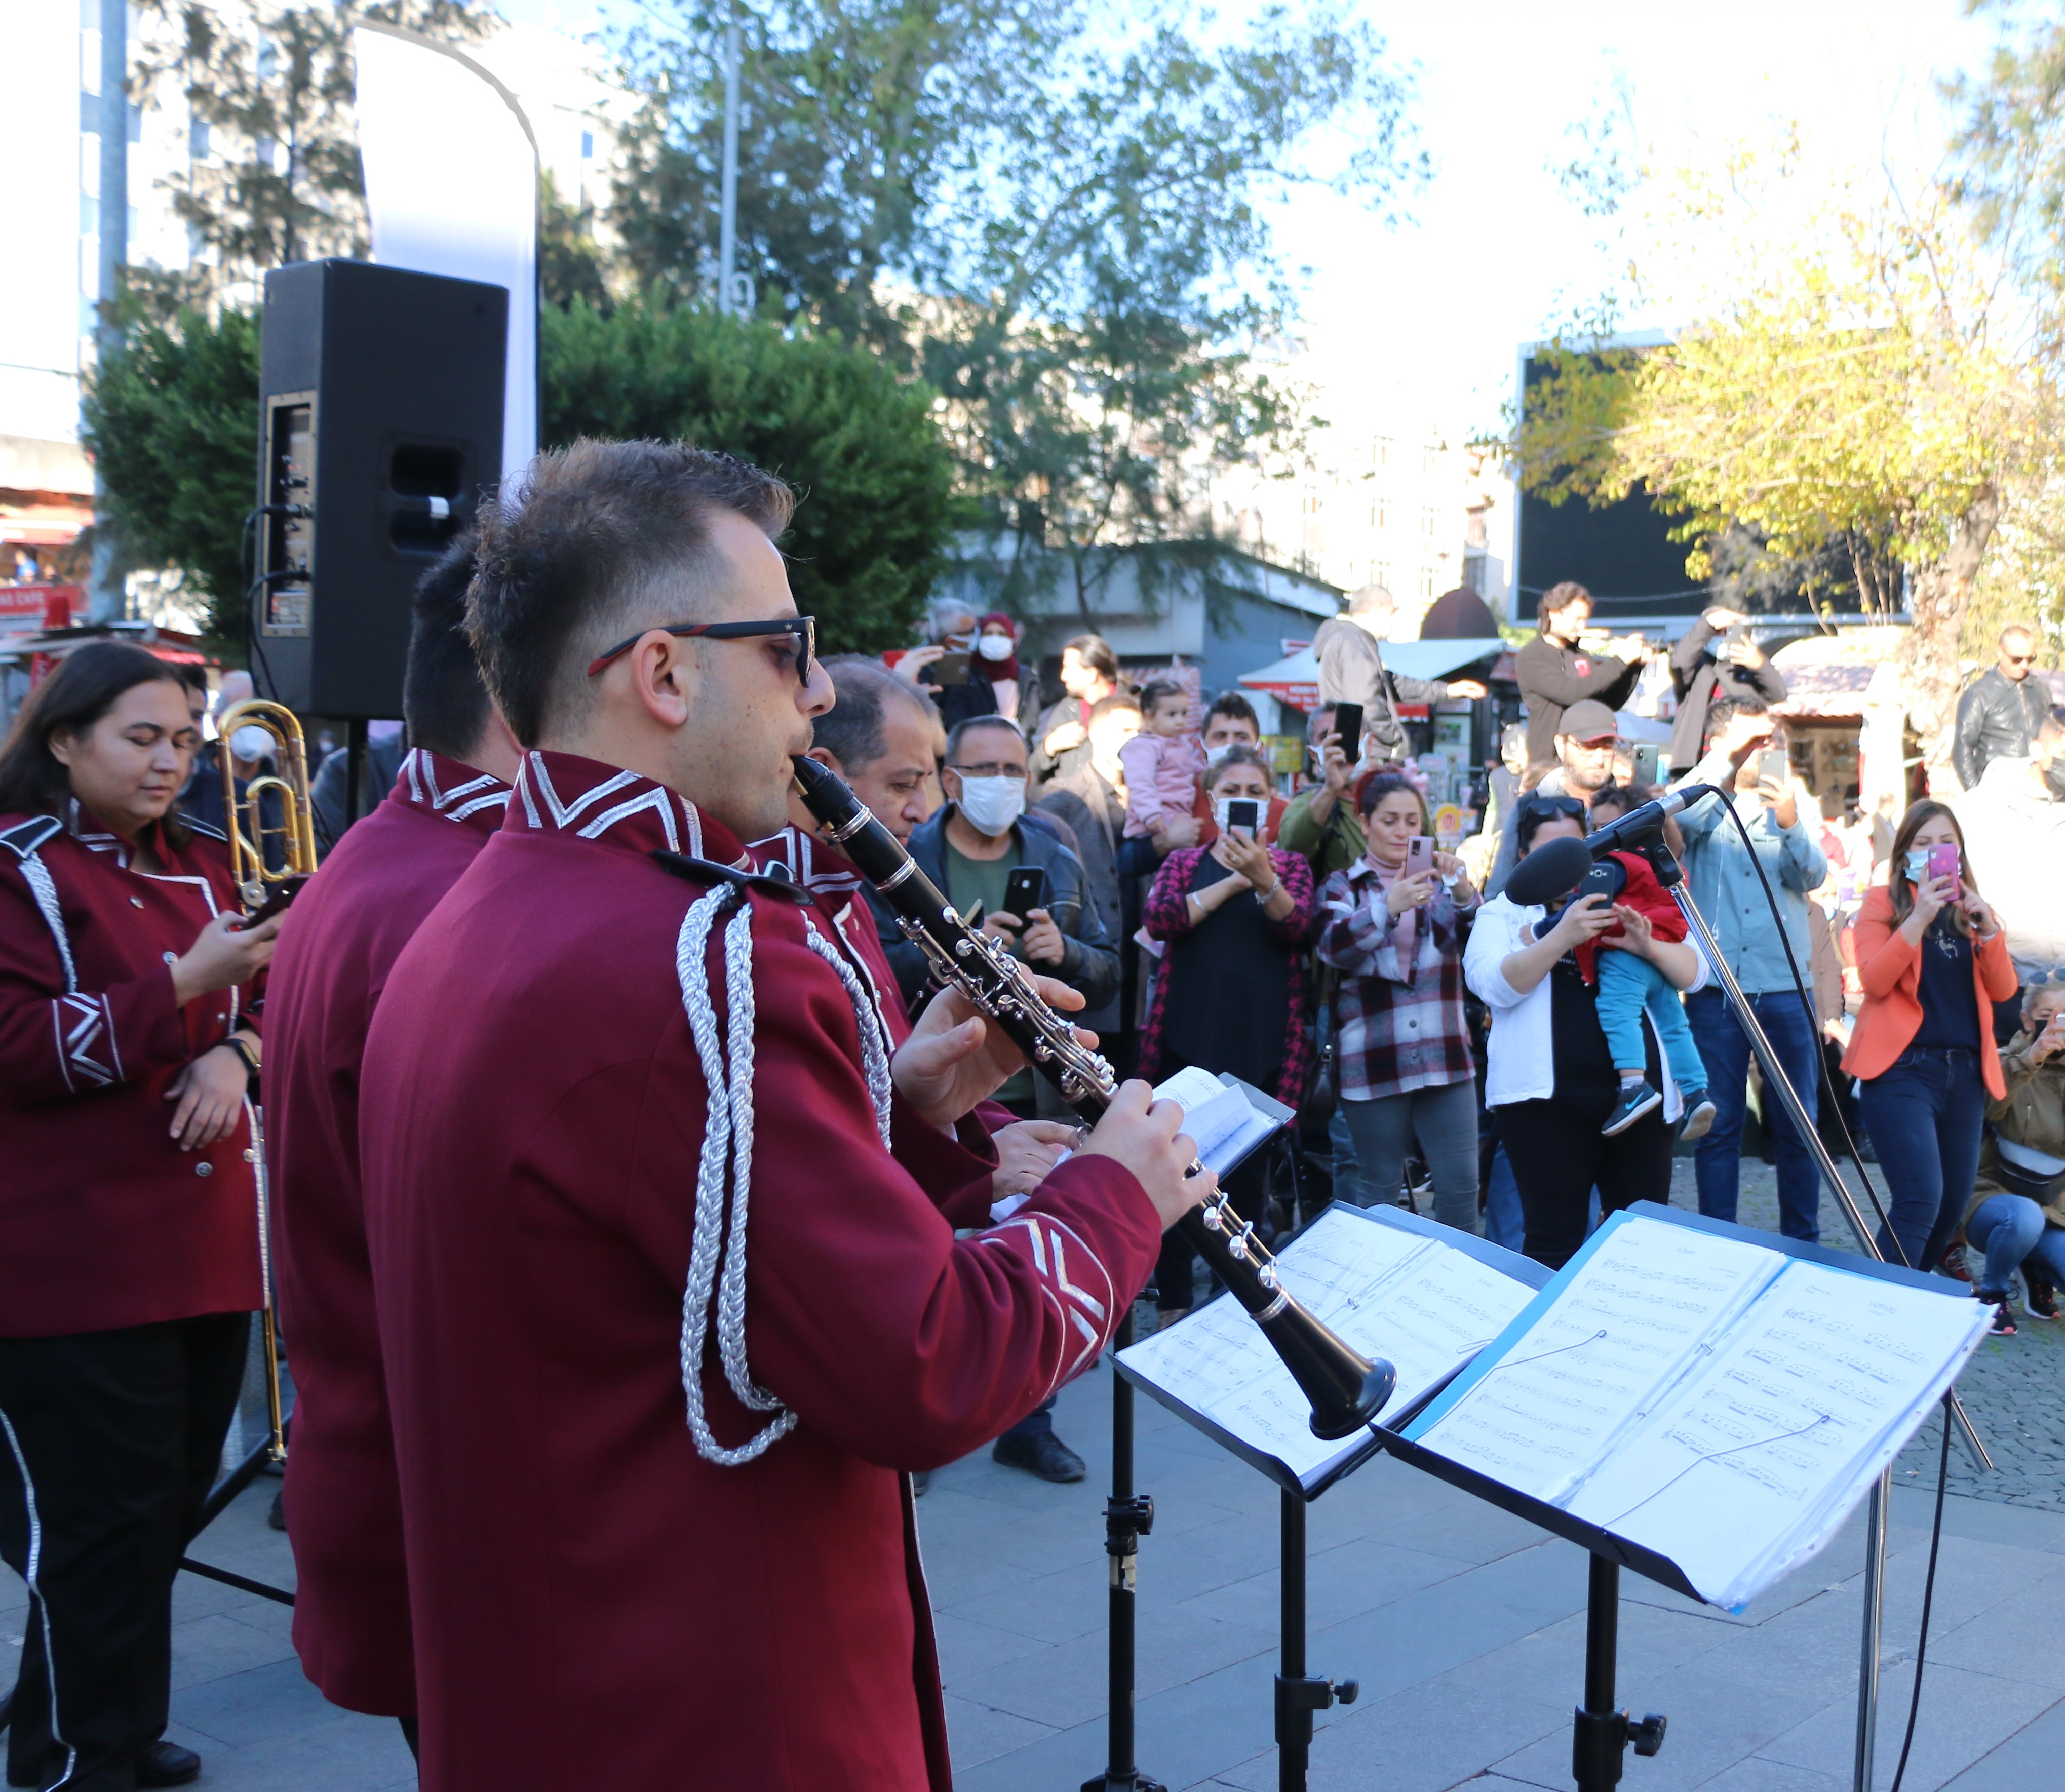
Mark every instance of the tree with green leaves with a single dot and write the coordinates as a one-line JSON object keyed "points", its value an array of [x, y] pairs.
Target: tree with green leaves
{"points": [[1060, 218], [171, 421], [274, 174], [859, 446]]}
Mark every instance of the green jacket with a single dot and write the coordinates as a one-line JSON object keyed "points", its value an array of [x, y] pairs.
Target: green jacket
{"points": [[1333, 847]]}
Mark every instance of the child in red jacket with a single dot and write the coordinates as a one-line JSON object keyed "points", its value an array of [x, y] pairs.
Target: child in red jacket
{"points": [[1630, 987]]}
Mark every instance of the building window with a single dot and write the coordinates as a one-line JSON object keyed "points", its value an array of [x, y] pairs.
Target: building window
{"points": [[587, 146], [1429, 521], [1427, 458], [1380, 571], [1426, 582], [1381, 453], [197, 139], [1474, 574]]}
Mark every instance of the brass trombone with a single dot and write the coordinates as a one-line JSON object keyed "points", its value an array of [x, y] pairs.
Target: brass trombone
{"points": [[258, 883]]}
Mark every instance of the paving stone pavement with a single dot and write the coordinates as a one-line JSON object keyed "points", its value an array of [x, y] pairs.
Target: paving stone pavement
{"points": [[1464, 1626]]}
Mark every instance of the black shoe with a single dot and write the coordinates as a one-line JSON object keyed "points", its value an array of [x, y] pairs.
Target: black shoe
{"points": [[2042, 1301], [921, 1482], [1636, 1099], [166, 1764], [276, 1515], [2002, 1323], [1042, 1454]]}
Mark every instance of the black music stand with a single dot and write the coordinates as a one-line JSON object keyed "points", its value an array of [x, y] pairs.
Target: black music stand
{"points": [[1300, 1695], [1601, 1732]]}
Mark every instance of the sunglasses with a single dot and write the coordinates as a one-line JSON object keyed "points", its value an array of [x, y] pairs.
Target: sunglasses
{"points": [[2020, 659], [802, 630], [1554, 806]]}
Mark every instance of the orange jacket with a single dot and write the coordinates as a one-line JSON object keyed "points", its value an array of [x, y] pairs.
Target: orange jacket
{"points": [[1890, 970]]}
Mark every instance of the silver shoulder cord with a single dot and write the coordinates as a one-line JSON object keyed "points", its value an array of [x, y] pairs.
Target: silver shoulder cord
{"points": [[724, 1176]]}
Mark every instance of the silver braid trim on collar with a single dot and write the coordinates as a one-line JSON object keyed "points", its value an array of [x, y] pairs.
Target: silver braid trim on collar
{"points": [[724, 1177], [44, 889], [867, 1018]]}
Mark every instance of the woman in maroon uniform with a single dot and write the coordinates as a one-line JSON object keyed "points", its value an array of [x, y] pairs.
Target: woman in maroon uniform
{"points": [[128, 1227]]}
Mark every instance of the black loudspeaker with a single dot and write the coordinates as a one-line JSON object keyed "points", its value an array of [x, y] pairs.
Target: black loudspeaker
{"points": [[380, 427]]}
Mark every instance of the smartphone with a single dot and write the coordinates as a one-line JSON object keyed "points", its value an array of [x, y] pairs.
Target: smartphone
{"points": [[1419, 856], [948, 669], [1024, 890], [1243, 816], [1347, 729], [1645, 771], [1774, 766], [1607, 878], [1943, 861], [283, 894]]}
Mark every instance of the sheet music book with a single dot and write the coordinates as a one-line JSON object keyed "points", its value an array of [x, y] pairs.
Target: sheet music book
{"points": [[1719, 1402], [1393, 1285], [1226, 1117]]}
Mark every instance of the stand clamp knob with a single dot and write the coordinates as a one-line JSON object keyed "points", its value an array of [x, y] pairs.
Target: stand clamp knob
{"points": [[1298, 1695], [1647, 1736]]}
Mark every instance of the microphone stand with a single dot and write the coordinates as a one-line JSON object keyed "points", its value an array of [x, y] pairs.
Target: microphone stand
{"points": [[1670, 875], [1128, 1517]]}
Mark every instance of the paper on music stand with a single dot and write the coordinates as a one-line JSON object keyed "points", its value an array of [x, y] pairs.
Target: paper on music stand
{"points": [[1219, 1115], [1423, 1305], [1722, 1404]]}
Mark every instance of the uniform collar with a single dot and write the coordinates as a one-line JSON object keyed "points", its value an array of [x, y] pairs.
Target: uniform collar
{"points": [[806, 861], [563, 793], [450, 788], [90, 834]]}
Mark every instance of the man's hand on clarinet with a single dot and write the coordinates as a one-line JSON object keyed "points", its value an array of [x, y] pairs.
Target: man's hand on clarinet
{"points": [[1147, 1137], [955, 1058], [1026, 1150]]}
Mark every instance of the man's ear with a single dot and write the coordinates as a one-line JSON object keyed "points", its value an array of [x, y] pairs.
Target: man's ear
{"points": [[662, 672], [827, 758]]}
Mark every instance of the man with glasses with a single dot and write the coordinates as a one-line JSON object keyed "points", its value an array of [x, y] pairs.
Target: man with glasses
{"points": [[1585, 744], [970, 849], [662, 1231], [1998, 716]]}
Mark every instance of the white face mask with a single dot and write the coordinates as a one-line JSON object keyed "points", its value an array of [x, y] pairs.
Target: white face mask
{"points": [[995, 647], [1918, 864], [992, 804], [250, 742], [1213, 755]]}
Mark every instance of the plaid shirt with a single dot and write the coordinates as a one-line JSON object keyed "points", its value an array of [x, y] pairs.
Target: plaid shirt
{"points": [[1399, 1030], [1167, 916]]}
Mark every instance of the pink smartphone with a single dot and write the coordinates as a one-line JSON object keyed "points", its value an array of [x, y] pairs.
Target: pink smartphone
{"points": [[1943, 861], [1419, 855]]}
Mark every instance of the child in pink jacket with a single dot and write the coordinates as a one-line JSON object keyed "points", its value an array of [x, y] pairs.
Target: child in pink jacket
{"points": [[1163, 762]]}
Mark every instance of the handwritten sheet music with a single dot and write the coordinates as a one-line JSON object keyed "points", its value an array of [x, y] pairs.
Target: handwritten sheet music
{"points": [[1420, 1303], [1568, 1386], [1754, 1460]]}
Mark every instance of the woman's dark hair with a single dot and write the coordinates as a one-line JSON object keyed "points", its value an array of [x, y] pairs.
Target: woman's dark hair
{"points": [[1236, 756], [1558, 597], [1095, 652], [1376, 787], [1897, 885], [85, 685], [1534, 810]]}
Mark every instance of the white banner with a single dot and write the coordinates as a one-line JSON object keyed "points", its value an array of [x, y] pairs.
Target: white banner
{"points": [[452, 182]]}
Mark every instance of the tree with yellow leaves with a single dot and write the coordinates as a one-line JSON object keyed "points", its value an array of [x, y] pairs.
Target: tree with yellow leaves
{"points": [[1859, 368]]}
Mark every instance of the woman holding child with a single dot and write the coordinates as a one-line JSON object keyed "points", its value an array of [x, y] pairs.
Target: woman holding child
{"points": [[1552, 1080]]}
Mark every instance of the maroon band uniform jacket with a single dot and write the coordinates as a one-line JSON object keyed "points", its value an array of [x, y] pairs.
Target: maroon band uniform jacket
{"points": [[596, 1602], [104, 1221], [836, 883], [338, 943]]}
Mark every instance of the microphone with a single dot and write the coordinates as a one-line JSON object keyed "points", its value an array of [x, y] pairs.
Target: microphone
{"points": [[1557, 867]]}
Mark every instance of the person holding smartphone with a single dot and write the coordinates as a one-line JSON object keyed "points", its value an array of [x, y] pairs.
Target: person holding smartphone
{"points": [[1235, 993], [1391, 924], [1933, 961]]}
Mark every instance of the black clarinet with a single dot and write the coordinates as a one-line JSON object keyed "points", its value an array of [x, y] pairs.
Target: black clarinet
{"points": [[1345, 1389]]}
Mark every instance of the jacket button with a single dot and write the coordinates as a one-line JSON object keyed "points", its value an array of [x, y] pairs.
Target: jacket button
{"points": [[250, 1156], [136, 902], [171, 958], [203, 1168]]}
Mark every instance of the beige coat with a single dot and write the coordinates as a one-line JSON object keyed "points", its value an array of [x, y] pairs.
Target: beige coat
{"points": [[2032, 1113]]}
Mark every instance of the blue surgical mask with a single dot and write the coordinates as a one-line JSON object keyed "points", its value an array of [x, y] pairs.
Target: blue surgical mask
{"points": [[1918, 864]]}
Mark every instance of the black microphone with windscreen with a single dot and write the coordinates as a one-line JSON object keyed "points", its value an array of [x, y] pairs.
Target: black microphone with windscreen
{"points": [[1556, 867]]}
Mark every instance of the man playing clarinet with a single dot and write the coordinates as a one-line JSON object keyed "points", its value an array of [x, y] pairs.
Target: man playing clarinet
{"points": [[338, 943], [667, 1297]]}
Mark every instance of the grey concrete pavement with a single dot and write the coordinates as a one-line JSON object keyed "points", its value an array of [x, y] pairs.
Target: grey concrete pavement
{"points": [[1464, 1627]]}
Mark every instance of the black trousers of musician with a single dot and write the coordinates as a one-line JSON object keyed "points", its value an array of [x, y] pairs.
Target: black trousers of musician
{"points": [[109, 1441]]}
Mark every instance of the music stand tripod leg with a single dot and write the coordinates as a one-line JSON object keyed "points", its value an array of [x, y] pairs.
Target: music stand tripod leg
{"points": [[1128, 1517], [1868, 1654], [1601, 1731], [1299, 1694]]}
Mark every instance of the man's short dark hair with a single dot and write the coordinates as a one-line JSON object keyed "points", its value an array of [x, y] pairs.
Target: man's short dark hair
{"points": [[1232, 703], [1724, 710], [1095, 652], [962, 730], [1120, 702], [444, 699], [581, 554], [851, 730]]}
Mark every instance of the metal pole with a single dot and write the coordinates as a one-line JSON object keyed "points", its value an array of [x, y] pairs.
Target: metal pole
{"points": [[1127, 1517], [727, 251], [1868, 1653], [1601, 1731], [105, 593], [1294, 1749]]}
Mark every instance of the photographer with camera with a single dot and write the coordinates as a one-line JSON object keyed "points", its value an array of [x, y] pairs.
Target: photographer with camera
{"points": [[1702, 674]]}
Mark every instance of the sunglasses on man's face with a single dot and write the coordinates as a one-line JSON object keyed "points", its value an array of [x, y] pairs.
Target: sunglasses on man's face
{"points": [[802, 631]]}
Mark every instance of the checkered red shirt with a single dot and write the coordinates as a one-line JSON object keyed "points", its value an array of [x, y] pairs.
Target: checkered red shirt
{"points": [[1398, 1028]]}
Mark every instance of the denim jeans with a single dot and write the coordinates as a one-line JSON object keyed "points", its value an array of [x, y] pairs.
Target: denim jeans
{"points": [[1630, 987], [1724, 1048], [1926, 1115], [2011, 1230], [1504, 1223]]}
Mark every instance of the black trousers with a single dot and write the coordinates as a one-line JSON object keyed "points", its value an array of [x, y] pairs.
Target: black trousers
{"points": [[109, 1441], [1559, 1156]]}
